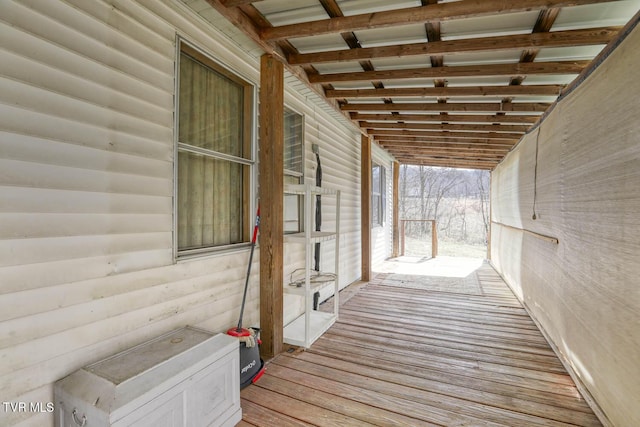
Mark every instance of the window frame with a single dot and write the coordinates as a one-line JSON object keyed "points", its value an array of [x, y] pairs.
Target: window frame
{"points": [[296, 175], [378, 204], [249, 150]]}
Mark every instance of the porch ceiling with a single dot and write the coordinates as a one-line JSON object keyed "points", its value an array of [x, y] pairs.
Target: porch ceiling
{"points": [[436, 82]]}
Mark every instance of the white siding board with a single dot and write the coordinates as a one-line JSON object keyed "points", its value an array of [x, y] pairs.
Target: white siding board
{"points": [[43, 26], [39, 150], [28, 97], [29, 174], [42, 200], [150, 40], [86, 186], [46, 126], [41, 50], [33, 251], [14, 332], [583, 291], [38, 225], [45, 77], [31, 276]]}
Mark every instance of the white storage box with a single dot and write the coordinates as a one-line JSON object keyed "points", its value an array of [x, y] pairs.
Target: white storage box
{"points": [[187, 377]]}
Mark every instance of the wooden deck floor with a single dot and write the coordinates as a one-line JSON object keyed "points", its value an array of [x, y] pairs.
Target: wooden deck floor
{"points": [[413, 357]]}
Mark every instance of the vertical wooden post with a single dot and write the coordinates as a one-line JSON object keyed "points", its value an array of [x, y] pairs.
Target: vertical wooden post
{"points": [[434, 239], [365, 206], [271, 183], [402, 235], [490, 222], [396, 209]]}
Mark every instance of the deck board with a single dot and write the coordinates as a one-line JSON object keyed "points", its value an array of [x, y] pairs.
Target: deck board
{"points": [[405, 356]]}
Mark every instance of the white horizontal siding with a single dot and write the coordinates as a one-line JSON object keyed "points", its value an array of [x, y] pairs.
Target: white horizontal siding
{"points": [[86, 187], [382, 237]]}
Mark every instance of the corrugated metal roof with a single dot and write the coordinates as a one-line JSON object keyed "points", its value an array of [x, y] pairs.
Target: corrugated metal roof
{"points": [[410, 60]]}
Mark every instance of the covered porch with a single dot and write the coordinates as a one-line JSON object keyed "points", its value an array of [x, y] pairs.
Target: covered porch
{"points": [[416, 346]]}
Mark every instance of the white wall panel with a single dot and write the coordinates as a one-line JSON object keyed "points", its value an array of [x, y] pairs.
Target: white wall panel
{"points": [[86, 186], [584, 290]]}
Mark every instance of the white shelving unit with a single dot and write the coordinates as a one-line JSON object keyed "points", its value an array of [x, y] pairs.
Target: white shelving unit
{"points": [[311, 324]]}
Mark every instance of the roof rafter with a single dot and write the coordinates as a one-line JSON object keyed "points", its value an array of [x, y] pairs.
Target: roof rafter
{"points": [[447, 127], [234, 3], [419, 14], [524, 69], [452, 140], [552, 90], [437, 118], [539, 107], [452, 134], [592, 36]]}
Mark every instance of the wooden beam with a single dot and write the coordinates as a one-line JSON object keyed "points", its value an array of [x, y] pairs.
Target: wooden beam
{"points": [[418, 92], [424, 146], [446, 127], [487, 70], [586, 37], [365, 206], [271, 179], [395, 229], [413, 15], [535, 107], [234, 3], [438, 118], [449, 134], [246, 24], [446, 140], [452, 153], [449, 163]]}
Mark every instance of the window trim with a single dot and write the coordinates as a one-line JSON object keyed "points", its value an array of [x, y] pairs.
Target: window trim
{"points": [[250, 131], [381, 194], [299, 175]]}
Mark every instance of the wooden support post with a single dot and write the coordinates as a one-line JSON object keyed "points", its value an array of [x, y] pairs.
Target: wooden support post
{"points": [[434, 239], [271, 182], [402, 235], [490, 220], [396, 209], [365, 206]]}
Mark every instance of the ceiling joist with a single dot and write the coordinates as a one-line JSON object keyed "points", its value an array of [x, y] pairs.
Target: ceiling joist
{"points": [[421, 14], [451, 134], [425, 109], [446, 92], [448, 118], [519, 69], [588, 37], [521, 129], [533, 107]]}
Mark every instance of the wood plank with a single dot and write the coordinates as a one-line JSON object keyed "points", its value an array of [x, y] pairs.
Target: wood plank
{"points": [[257, 415], [365, 206], [295, 408], [234, 3], [449, 118], [582, 37], [446, 127], [434, 366], [332, 396], [471, 91], [421, 14], [533, 107], [440, 138], [507, 397], [271, 179], [395, 215], [425, 410], [487, 70], [448, 133]]}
